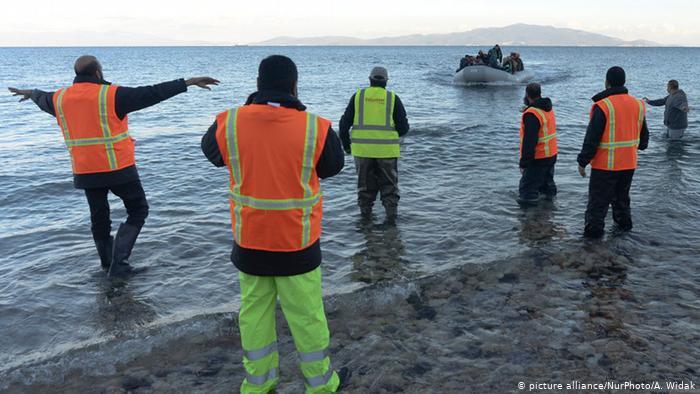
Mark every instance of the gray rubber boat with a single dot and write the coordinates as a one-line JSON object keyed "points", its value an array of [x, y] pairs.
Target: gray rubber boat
{"points": [[486, 74]]}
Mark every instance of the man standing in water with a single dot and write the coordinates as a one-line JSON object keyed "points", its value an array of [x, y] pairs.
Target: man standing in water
{"points": [[676, 113], [275, 153], [538, 147], [92, 115], [378, 120], [617, 129]]}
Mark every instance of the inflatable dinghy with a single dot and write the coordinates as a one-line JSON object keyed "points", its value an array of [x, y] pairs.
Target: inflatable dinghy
{"points": [[486, 74]]}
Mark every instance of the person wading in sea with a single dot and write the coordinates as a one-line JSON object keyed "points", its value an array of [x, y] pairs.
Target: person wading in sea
{"points": [[538, 147], [676, 112], [92, 116], [378, 120], [617, 129], [276, 152]]}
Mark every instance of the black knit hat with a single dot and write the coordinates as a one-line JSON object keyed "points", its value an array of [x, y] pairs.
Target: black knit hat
{"points": [[278, 73], [616, 77], [533, 90]]}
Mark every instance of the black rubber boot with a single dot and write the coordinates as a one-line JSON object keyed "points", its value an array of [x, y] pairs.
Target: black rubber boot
{"points": [[528, 203], [344, 375], [104, 250], [123, 244], [391, 214], [366, 211], [591, 233]]}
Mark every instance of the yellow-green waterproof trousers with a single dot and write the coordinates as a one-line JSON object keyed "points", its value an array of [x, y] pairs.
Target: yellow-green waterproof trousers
{"points": [[301, 300]]}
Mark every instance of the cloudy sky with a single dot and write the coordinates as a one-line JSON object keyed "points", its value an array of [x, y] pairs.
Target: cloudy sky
{"points": [[157, 22]]}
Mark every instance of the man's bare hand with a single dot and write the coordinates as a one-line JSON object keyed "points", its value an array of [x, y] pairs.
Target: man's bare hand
{"points": [[202, 82], [582, 171], [26, 94]]}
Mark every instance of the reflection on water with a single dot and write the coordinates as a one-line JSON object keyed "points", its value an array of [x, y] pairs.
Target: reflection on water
{"points": [[381, 257], [676, 150], [537, 225], [118, 310]]}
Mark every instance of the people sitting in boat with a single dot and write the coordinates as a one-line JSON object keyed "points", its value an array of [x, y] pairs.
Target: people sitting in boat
{"points": [[509, 64], [481, 58], [497, 53], [466, 61], [519, 66], [492, 61], [513, 63]]}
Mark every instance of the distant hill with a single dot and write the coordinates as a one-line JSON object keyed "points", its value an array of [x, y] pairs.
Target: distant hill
{"points": [[513, 35]]}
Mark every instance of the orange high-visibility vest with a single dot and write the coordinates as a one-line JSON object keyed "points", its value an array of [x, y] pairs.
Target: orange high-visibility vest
{"points": [[624, 116], [547, 137], [98, 141], [275, 194]]}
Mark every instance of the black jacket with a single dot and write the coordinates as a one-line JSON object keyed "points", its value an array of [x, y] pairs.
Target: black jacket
{"points": [[127, 100], [531, 137], [596, 128], [399, 115], [332, 160]]}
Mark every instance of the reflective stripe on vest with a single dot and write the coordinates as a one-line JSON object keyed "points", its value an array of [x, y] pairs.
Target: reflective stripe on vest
{"points": [[307, 168], [305, 204], [233, 159], [107, 140], [545, 130], [61, 116], [375, 137], [613, 144]]}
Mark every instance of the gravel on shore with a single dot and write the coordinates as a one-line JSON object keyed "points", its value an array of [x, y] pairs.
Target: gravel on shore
{"points": [[546, 316]]}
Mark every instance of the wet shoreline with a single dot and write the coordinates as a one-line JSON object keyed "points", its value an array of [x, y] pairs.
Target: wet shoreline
{"points": [[554, 314]]}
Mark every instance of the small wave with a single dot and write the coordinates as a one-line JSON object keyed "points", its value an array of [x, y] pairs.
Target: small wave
{"points": [[550, 79], [100, 356], [497, 83], [440, 80]]}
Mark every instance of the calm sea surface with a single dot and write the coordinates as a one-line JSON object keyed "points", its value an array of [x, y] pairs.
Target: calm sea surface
{"points": [[458, 179]]}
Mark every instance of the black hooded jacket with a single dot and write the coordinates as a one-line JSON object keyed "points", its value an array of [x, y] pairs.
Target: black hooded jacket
{"points": [[596, 128], [531, 137], [331, 162]]}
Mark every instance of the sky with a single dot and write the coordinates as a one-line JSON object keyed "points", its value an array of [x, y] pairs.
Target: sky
{"points": [[158, 22]]}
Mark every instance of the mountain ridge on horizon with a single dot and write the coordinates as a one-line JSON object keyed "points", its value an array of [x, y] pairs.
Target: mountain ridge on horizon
{"points": [[519, 34]]}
